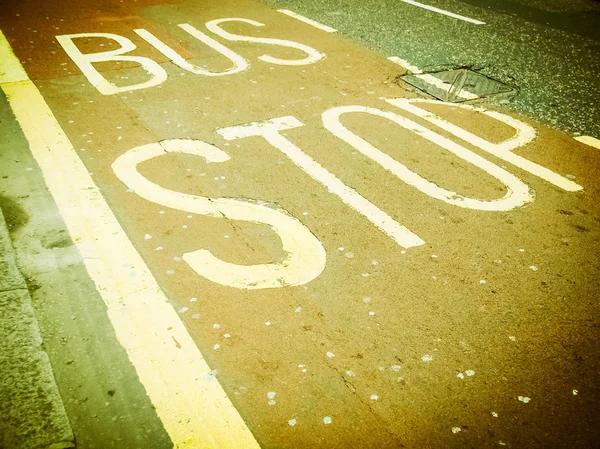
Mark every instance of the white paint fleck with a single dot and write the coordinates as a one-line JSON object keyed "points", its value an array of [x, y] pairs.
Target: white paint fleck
{"points": [[177, 259], [366, 299], [374, 397], [371, 313], [330, 354], [217, 346], [304, 213], [482, 281], [494, 414], [226, 236], [193, 299], [427, 358], [183, 310], [226, 336], [196, 316], [460, 375], [184, 226], [298, 309], [575, 392], [434, 256], [350, 373], [374, 262], [147, 237], [512, 338], [292, 422], [271, 402], [271, 394], [533, 268], [521, 250], [403, 251], [470, 372], [162, 212], [396, 367], [216, 326], [170, 271], [366, 275], [456, 429], [327, 420], [211, 375], [524, 399], [341, 248], [267, 323], [349, 255]]}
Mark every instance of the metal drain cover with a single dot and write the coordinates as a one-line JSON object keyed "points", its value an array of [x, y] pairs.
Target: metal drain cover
{"points": [[458, 85]]}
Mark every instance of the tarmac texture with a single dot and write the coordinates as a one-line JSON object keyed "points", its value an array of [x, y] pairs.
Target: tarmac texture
{"points": [[357, 265]]}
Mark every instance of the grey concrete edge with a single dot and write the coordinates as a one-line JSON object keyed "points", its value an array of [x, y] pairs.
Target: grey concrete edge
{"points": [[20, 428]]}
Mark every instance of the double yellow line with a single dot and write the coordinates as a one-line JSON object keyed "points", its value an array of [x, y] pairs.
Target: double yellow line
{"points": [[192, 405]]}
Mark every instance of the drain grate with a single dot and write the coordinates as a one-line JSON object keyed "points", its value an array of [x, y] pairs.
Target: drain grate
{"points": [[457, 85]]}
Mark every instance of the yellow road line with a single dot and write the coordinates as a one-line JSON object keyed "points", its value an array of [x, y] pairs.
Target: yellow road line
{"points": [[192, 405], [11, 69], [589, 140]]}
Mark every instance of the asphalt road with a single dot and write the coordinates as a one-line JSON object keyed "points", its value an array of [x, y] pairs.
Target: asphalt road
{"points": [[550, 51], [241, 242]]}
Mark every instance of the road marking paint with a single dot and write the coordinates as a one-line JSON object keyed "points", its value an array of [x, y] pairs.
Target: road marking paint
{"points": [[503, 150], [405, 64], [305, 256], [313, 55], [314, 23], [195, 411], [269, 130], [239, 63], [430, 79], [444, 12], [589, 140], [517, 192], [84, 61], [11, 70]]}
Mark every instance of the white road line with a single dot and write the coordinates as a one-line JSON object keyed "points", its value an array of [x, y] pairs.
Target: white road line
{"points": [[305, 256], [444, 12], [192, 405], [503, 150], [270, 130], [430, 79], [318, 25], [517, 192], [405, 64], [589, 140]]}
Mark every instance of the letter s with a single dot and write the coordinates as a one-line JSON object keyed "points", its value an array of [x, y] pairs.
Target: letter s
{"points": [[305, 258], [313, 55]]}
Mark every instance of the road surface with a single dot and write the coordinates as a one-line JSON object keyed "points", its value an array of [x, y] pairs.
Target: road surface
{"points": [[240, 230]]}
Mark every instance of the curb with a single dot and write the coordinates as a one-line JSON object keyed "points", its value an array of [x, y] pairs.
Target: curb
{"points": [[32, 414]]}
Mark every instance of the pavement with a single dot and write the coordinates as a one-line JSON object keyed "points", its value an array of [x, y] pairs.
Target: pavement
{"points": [[248, 232], [33, 415]]}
